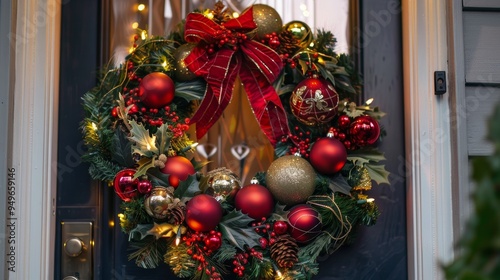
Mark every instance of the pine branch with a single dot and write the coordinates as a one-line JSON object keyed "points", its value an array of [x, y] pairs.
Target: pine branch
{"points": [[148, 252]]}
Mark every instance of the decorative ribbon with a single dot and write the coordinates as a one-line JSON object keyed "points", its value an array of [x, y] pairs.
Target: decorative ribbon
{"points": [[222, 53]]}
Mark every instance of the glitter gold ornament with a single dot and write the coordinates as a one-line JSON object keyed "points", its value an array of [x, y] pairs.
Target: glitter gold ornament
{"points": [[181, 71], [156, 204], [291, 179], [267, 20], [222, 184], [301, 32]]}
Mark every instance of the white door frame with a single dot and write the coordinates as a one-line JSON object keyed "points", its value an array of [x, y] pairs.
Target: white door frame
{"points": [[429, 203], [35, 76]]}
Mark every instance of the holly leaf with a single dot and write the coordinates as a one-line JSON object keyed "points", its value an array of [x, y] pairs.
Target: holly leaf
{"points": [[140, 232], [279, 213], [303, 66], [234, 228], [144, 144], [122, 149], [325, 73], [187, 188], [378, 173], [163, 137], [157, 178], [144, 165], [337, 183], [363, 157]]}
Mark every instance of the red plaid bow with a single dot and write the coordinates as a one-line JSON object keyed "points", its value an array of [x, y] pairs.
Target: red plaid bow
{"points": [[235, 54]]}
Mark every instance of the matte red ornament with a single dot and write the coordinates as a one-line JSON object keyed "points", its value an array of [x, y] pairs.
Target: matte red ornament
{"points": [[314, 101], [178, 168], [125, 185], [328, 155], [144, 186], [255, 200], [156, 90], [203, 213], [305, 223], [364, 131]]}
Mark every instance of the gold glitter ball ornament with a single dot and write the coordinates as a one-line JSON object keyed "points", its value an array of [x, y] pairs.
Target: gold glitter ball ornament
{"points": [[291, 180], [267, 19], [181, 72], [300, 32]]}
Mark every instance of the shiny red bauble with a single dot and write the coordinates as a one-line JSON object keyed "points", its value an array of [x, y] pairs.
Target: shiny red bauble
{"points": [[178, 168], [314, 101], [254, 200], [343, 122], [364, 131], [305, 223], [328, 155], [280, 227], [156, 90], [213, 241], [203, 213], [125, 185], [144, 186]]}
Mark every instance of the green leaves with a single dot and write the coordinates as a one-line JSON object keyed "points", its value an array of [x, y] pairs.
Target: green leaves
{"points": [[144, 144], [163, 137], [370, 160], [234, 228]]}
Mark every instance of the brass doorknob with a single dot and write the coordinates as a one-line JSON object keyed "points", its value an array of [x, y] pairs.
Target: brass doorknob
{"points": [[74, 246]]}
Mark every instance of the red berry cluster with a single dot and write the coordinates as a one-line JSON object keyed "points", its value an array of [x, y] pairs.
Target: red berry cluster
{"points": [[272, 40], [241, 259], [302, 141], [202, 245], [226, 38], [151, 116], [277, 229], [341, 132]]}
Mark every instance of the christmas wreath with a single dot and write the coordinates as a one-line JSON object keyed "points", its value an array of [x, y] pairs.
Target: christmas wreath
{"points": [[303, 95]]}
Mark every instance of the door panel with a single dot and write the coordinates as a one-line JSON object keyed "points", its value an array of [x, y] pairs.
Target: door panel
{"points": [[379, 251]]}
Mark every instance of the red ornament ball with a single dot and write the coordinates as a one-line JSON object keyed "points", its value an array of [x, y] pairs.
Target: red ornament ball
{"points": [[343, 122], [328, 155], [178, 168], [156, 90], [125, 185], [305, 223], [314, 101], [144, 186], [280, 227], [203, 213], [364, 131], [255, 200], [213, 241]]}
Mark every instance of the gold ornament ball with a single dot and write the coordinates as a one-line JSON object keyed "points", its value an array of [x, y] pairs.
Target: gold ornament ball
{"points": [[267, 20], [181, 72], [223, 184], [291, 180], [301, 32], [156, 204]]}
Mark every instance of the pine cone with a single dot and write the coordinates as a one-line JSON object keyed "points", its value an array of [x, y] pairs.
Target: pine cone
{"points": [[288, 44], [284, 251], [177, 214]]}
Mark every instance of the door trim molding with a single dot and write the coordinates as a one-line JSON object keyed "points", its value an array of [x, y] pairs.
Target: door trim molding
{"points": [[427, 133], [34, 135]]}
